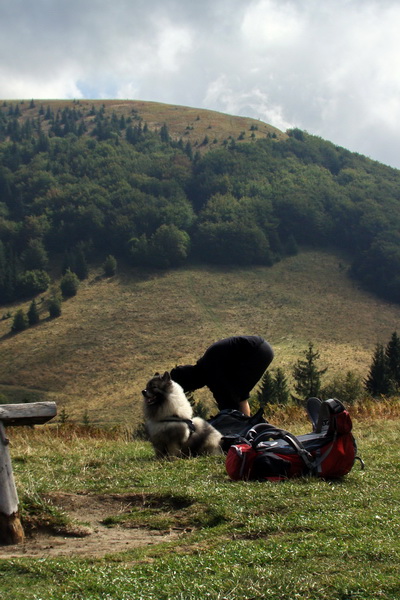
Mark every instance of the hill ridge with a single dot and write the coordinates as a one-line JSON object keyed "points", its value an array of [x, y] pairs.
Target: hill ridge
{"points": [[184, 122]]}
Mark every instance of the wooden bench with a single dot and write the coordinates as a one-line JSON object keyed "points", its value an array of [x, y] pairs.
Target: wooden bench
{"points": [[35, 413]]}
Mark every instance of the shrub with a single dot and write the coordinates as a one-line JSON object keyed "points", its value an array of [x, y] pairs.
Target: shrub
{"points": [[33, 314], [347, 388], [20, 321], [110, 266], [31, 283], [69, 284], [168, 247], [54, 307], [34, 257]]}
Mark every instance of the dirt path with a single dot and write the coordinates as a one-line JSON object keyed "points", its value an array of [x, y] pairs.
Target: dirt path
{"points": [[93, 539]]}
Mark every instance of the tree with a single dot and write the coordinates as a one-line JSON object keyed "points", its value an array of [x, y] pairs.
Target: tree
{"points": [[8, 274], [265, 393], [20, 321], [280, 387], [347, 388], [307, 376], [54, 307], [378, 382], [63, 416], [34, 257], [138, 249], [232, 243], [69, 284], [33, 314], [31, 283], [392, 353], [164, 134], [110, 266], [86, 419], [168, 247], [81, 268], [274, 389]]}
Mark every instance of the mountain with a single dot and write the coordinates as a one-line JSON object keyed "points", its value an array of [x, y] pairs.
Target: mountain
{"points": [[162, 186]]}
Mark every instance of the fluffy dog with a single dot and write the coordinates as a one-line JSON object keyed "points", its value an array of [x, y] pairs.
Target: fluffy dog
{"points": [[170, 424]]}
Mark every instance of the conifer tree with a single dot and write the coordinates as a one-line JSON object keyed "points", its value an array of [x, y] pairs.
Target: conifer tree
{"points": [[54, 307], [274, 389], [64, 416], [33, 314], [67, 262], [280, 387], [110, 266], [69, 284], [378, 382], [80, 265], [164, 134], [265, 393], [20, 321], [189, 150], [307, 376], [392, 353]]}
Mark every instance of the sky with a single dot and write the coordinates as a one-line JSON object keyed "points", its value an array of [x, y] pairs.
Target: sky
{"points": [[329, 67]]}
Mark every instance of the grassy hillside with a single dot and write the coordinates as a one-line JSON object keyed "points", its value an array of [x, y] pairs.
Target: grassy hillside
{"points": [[116, 332], [186, 123]]}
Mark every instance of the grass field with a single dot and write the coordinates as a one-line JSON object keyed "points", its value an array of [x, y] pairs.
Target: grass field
{"points": [[117, 332], [303, 538]]}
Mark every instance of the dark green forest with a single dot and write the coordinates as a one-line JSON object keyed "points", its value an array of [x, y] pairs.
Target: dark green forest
{"points": [[72, 195]]}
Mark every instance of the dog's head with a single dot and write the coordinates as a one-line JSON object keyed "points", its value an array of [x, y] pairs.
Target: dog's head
{"points": [[157, 388]]}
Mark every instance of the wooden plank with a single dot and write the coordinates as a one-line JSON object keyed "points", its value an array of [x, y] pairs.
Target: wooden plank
{"points": [[33, 413]]}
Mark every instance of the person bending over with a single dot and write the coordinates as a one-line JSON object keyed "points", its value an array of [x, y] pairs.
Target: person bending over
{"points": [[230, 368]]}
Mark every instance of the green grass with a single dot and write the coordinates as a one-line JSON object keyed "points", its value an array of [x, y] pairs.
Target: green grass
{"points": [[302, 538]]}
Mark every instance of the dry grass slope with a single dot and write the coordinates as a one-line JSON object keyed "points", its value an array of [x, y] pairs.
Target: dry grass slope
{"points": [[116, 332], [186, 123]]}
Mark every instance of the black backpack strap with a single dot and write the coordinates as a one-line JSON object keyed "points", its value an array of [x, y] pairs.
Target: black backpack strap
{"points": [[321, 416], [313, 407], [265, 431], [188, 422]]}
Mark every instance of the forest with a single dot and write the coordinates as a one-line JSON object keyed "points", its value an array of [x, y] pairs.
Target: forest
{"points": [[78, 187]]}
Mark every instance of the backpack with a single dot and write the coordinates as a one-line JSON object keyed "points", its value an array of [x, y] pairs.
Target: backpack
{"points": [[234, 425], [273, 454]]}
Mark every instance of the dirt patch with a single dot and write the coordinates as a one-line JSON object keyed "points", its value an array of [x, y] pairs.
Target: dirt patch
{"points": [[88, 533]]}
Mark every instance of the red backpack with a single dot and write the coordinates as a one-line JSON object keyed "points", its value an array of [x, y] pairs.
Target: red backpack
{"points": [[270, 453]]}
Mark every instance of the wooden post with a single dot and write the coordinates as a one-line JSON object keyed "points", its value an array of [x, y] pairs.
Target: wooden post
{"points": [[11, 531]]}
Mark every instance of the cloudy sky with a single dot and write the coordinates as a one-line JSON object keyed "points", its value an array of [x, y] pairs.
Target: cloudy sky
{"points": [[331, 67]]}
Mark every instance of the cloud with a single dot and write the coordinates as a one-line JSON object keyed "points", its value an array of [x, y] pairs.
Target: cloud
{"points": [[328, 67], [270, 25]]}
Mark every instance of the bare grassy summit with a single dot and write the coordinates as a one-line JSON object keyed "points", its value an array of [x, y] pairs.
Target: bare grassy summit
{"points": [[204, 129], [116, 332]]}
